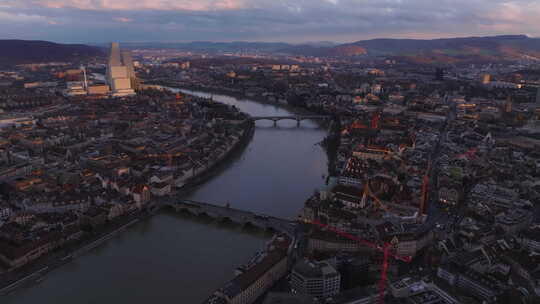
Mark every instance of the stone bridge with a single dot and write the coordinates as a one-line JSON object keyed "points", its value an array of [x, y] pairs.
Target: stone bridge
{"points": [[225, 213], [297, 118]]}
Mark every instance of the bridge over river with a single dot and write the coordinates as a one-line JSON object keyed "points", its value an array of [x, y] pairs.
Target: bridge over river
{"points": [[226, 213], [297, 118]]}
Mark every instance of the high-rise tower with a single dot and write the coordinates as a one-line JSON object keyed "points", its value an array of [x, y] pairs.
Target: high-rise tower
{"points": [[127, 59], [120, 71], [114, 57]]}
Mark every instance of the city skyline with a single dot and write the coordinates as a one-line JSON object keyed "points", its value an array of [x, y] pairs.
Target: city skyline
{"points": [[92, 21]]}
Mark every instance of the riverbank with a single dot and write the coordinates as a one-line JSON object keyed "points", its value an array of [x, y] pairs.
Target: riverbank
{"points": [[240, 95], [36, 270], [170, 250], [214, 169], [330, 143]]}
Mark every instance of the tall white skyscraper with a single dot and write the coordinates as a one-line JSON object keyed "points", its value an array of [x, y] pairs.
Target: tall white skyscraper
{"points": [[128, 62], [120, 72], [114, 55]]}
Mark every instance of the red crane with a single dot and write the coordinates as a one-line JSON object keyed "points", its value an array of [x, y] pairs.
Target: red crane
{"points": [[385, 248], [375, 120], [470, 154], [425, 191]]}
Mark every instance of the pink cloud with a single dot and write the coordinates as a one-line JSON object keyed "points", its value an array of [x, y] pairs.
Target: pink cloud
{"points": [[123, 19], [512, 14], [19, 17], [186, 5]]}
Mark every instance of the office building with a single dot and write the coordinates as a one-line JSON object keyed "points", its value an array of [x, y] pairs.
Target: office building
{"points": [[128, 61], [419, 292], [482, 287], [120, 72], [317, 279]]}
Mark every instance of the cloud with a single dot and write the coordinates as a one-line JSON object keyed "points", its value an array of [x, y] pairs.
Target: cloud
{"points": [[123, 19], [187, 5], [287, 20], [20, 17]]}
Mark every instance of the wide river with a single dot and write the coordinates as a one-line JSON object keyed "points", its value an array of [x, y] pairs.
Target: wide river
{"points": [[174, 258]]}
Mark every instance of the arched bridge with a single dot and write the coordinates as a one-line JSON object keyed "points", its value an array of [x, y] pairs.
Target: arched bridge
{"points": [[297, 118], [226, 213]]}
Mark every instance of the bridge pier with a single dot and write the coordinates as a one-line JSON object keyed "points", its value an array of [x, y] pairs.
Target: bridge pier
{"points": [[298, 123], [248, 224], [224, 219]]}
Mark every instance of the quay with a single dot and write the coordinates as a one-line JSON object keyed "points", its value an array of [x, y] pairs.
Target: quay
{"points": [[68, 257]]}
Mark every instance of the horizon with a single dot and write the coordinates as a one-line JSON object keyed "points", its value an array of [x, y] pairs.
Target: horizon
{"points": [[339, 21], [269, 42]]}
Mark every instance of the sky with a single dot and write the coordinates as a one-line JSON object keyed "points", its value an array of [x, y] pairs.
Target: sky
{"points": [[293, 21]]}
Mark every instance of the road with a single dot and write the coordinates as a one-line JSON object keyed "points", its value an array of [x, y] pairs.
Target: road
{"points": [[436, 213]]}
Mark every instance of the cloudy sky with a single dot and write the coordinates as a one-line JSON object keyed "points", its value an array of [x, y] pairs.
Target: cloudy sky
{"points": [[262, 20]]}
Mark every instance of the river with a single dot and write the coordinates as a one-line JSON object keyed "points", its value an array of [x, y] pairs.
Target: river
{"points": [[174, 258]]}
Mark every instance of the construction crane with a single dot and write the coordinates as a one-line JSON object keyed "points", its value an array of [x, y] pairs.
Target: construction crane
{"points": [[170, 162], [375, 120], [367, 192], [424, 197], [470, 154], [425, 191], [385, 248]]}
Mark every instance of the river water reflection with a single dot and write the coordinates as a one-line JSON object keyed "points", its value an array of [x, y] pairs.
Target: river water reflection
{"points": [[173, 258]]}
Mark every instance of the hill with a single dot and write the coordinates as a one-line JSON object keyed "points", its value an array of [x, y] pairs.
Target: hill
{"points": [[435, 51], [210, 47], [14, 52], [452, 50], [418, 51]]}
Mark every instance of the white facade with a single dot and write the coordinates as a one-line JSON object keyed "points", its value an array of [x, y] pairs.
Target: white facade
{"points": [[120, 72], [316, 279]]}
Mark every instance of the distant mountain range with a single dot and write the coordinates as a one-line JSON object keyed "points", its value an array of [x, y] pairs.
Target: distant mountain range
{"points": [[207, 46], [436, 51], [14, 52], [453, 50]]}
